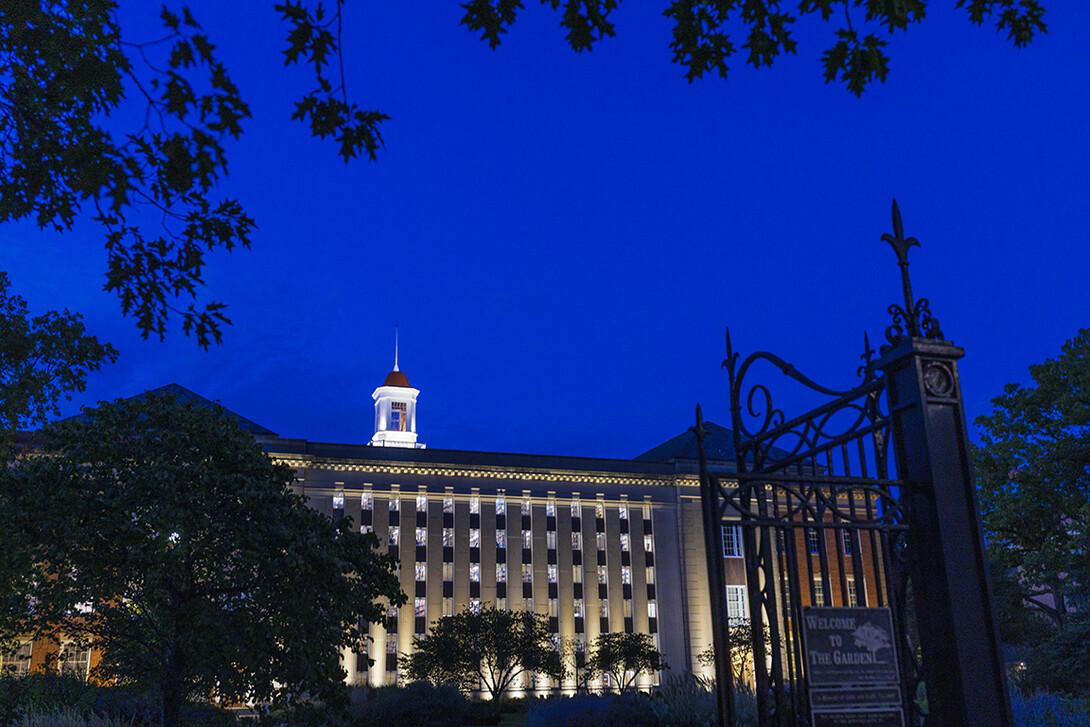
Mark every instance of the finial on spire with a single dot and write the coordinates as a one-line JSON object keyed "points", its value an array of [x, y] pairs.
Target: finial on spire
{"points": [[395, 348]]}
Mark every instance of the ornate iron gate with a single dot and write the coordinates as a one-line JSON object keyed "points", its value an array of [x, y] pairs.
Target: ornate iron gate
{"points": [[828, 520]]}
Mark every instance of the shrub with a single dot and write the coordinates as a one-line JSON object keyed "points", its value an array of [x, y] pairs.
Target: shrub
{"points": [[419, 703], [66, 717], [1042, 709]]}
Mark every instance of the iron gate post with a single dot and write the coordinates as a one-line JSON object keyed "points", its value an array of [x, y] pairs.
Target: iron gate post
{"points": [[962, 662]]}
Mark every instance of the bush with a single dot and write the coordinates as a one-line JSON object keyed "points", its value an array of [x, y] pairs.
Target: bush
{"points": [[66, 717], [1042, 709], [419, 703], [589, 710]]}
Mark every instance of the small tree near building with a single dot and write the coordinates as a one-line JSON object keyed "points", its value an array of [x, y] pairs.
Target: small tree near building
{"points": [[486, 649], [624, 657], [165, 536]]}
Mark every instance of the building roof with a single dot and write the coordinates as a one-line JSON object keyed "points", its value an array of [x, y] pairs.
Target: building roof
{"points": [[718, 445], [397, 378], [184, 396]]}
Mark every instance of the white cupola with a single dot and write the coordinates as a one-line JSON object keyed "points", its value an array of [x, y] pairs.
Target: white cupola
{"points": [[395, 411]]}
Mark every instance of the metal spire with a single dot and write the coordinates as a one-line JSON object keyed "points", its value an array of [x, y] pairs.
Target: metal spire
{"points": [[395, 348]]}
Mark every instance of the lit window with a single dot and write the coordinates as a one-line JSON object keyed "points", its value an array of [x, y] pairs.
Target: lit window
{"points": [[575, 508], [448, 505], [501, 506], [624, 512], [397, 416], [553, 608], [812, 540], [576, 540], [627, 606], [421, 536], [74, 660], [847, 542], [448, 537], [421, 572], [581, 643], [819, 592], [395, 535], [420, 607], [501, 538], [367, 528], [650, 575], [475, 572], [626, 575], [475, 605], [599, 510], [391, 611], [577, 574], [577, 608], [624, 542], [366, 500], [550, 508], [501, 572], [395, 504], [552, 573], [603, 609], [601, 574], [448, 606], [732, 541], [474, 505], [550, 540], [391, 644], [525, 508], [475, 538], [448, 571], [527, 539], [737, 608], [421, 503], [652, 610], [853, 595], [648, 543], [338, 500], [600, 540], [527, 573]]}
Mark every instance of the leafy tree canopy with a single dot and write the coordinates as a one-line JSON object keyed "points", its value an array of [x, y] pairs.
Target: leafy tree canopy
{"points": [[163, 534], [485, 649], [42, 358], [624, 657], [1033, 479], [69, 66]]}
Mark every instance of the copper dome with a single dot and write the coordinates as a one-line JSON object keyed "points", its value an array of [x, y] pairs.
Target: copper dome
{"points": [[397, 378]]}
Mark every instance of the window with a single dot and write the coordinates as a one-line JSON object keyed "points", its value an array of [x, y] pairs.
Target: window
{"points": [[626, 575], [550, 540], [577, 574], [475, 538], [338, 500], [550, 508], [501, 506], [421, 572], [397, 416], [575, 508], [624, 512], [527, 573], [627, 606], [421, 536], [19, 662], [421, 503], [601, 574], [603, 609], [448, 571], [501, 538], [474, 505], [600, 540], [475, 605], [527, 539], [475, 572], [395, 504], [577, 608], [650, 575], [812, 540], [367, 502], [819, 592], [552, 573], [448, 537], [367, 528], [581, 643], [391, 645], [648, 544], [448, 606], [737, 607], [847, 542], [420, 607], [391, 611], [501, 572], [732, 541], [652, 610], [553, 607], [853, 595], [624, 542], [525, 508], [395, 535], [448, 505], [599, 511]]}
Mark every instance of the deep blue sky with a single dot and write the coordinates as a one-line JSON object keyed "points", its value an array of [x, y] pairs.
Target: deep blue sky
{"points": [[563, 238]]}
